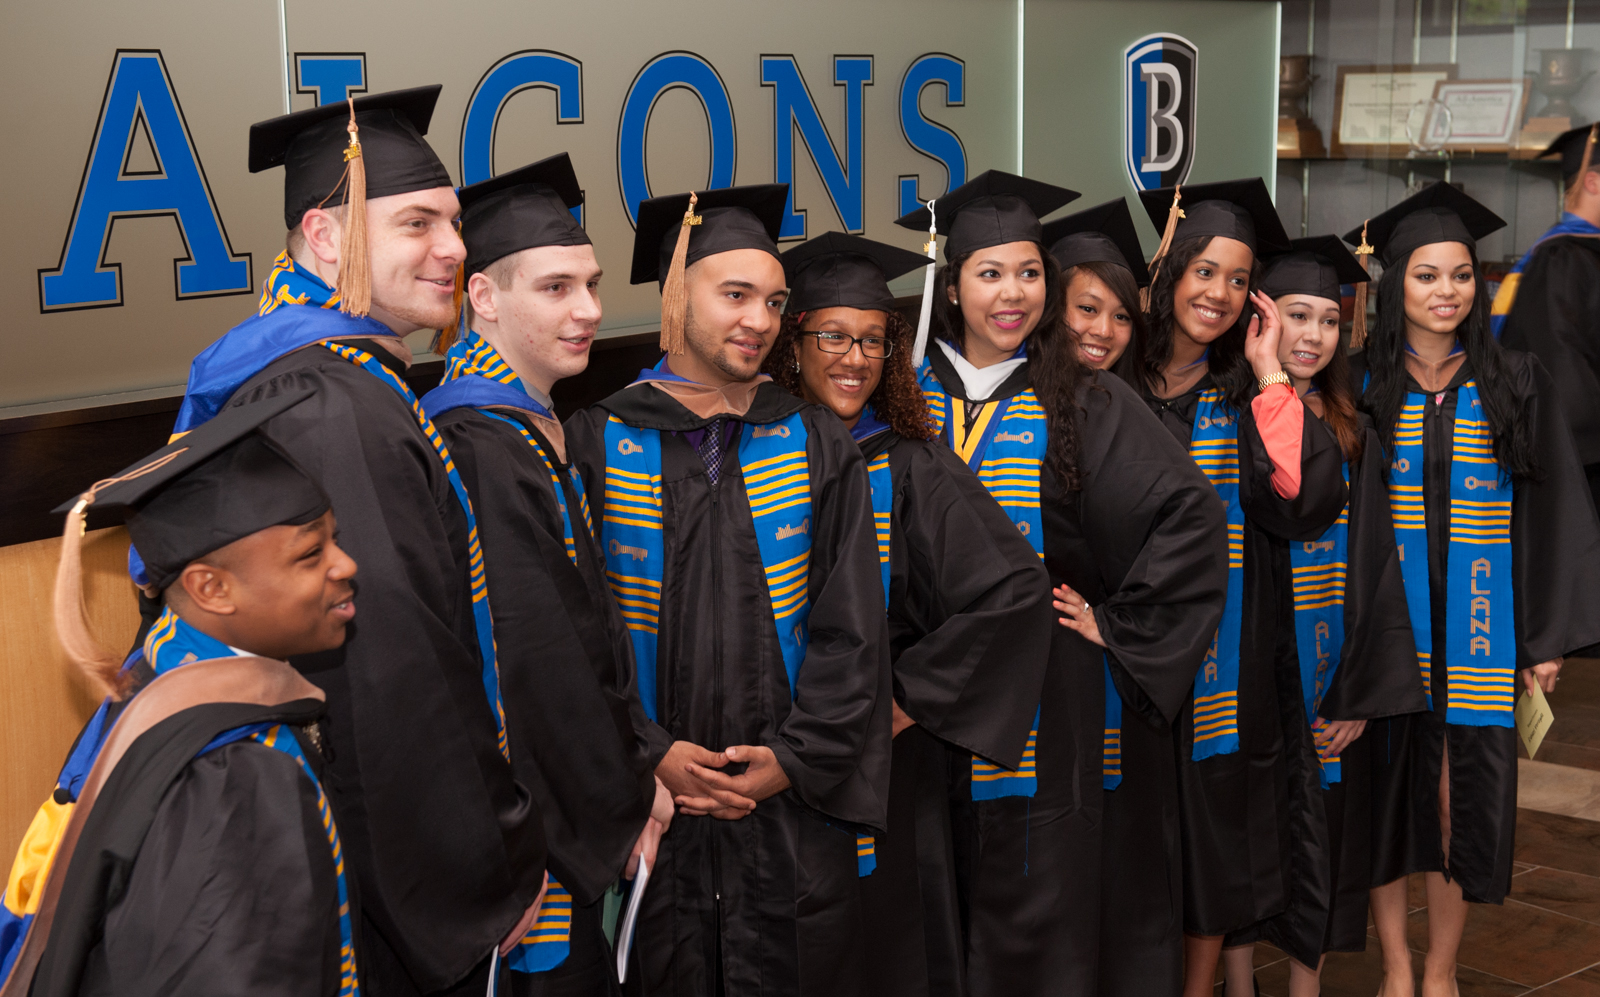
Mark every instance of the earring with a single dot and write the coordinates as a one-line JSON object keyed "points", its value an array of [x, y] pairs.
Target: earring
{"points": [[796, 363]]}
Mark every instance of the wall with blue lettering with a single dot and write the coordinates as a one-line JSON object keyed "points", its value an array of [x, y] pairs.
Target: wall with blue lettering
{"points": [[144, 238]]}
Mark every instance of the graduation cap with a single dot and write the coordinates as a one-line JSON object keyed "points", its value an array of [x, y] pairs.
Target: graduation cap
{"points": [[1101, 234], [991, 209], [1573, 147], [838, 270], [1314, 266], [677, 230], [371, 146], [519, 210], [1437, 213], [1233, 209]]}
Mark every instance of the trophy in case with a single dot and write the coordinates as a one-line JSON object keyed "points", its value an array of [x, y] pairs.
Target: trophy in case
{"points": [[1298, 136], [1559, 79]]}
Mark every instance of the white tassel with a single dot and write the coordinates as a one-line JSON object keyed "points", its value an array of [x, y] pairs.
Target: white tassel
{"points": [[920, 347]]}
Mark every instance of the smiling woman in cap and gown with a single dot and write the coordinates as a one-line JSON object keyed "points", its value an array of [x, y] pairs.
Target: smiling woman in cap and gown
{"points": [[968, 600], [188, 847], [1279, 474], [1549, 305], [566, 665], [1345, 652], [446, 846], [1105, 498], [1500, 553], [738, 534], [1102, 271]]}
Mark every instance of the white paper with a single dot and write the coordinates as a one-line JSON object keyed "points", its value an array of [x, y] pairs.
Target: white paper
{"points": [[630, 919], [1376, 105]]}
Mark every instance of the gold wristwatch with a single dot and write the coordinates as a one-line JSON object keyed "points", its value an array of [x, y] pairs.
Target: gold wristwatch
{"points": [[1281, 377]]}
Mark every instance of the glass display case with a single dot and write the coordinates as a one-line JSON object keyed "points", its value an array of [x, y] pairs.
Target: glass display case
{"points": [[1380, 97]]}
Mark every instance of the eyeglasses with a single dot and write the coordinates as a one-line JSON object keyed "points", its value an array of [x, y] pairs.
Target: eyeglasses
{"points": [[872, 347]]}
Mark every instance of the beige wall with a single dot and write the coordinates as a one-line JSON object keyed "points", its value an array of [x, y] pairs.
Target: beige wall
{"points": [[45, 702]]}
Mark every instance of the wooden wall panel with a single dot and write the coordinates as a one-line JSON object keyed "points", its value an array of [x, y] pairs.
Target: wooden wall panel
{"points": [[43, 700]]}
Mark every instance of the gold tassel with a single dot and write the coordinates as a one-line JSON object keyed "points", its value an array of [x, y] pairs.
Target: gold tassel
{"points": [[1173, 214], [355, 265], [1358, 321], [1577, 181], [675, 292], [102, 668], [447, 336]]}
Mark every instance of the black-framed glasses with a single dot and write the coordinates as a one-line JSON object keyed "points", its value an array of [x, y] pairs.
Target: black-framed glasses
{"points": [[872, 347]]}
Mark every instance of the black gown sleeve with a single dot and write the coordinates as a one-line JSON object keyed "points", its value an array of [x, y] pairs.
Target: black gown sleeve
{"points": [[1322, 491], [834, 744], [970, 612], [1377, 674], [567, 698], [1555, 539], [1159, 536], [234, 890], [1557, 318]]}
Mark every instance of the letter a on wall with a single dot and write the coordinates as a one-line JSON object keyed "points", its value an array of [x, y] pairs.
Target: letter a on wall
{"points": [[141, 107]]}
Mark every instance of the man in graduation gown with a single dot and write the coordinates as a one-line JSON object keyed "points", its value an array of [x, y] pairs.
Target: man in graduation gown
{"points": [[447, 847], [1549, 305], [738, 534], [194, 851], [566, 663]]}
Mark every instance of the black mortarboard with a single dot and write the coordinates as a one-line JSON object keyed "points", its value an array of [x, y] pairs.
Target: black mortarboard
{"points": [[1314, 266], [310, 146], [214, 485], [837, 270], [1234, 209], [1569, 146], [520, 210], [1101, 234], [1437, 213], [731, 218], [991, 209]]}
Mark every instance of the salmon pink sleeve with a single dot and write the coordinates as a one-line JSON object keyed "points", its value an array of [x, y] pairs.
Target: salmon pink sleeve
{"points": [[1280, 419]]}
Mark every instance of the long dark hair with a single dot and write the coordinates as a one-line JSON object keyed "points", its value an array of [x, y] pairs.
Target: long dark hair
{"points": [[1119, 281], [897, 399], [1339, 403], [1053, 366], [1148, 358], [1386, 362]]}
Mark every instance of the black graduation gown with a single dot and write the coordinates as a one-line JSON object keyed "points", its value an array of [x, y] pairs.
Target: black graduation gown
{"points": [[969, 627], [1330, 864], [201, 876], [1555, 564], [1556, 317], [447, 847], [773, 896], [566, 671], [1235, 808], [1074, 890]]}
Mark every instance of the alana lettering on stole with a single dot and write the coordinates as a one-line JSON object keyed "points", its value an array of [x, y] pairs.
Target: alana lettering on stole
{"points": [[1480, 603]]}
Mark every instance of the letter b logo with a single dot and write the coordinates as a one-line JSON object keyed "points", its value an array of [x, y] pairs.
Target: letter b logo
{"points": [[1158, 96]]}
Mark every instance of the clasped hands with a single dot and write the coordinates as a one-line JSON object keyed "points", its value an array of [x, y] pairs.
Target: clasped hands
{"points": [[699, 788]]}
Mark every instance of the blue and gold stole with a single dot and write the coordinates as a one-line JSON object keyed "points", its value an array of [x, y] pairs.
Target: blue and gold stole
{"points": [[476, 376], [1214, 445], [1319, 569], [881, 480], [484, 624], [170, 644], [1480, 662], [1506, 297], [1006, 447]]}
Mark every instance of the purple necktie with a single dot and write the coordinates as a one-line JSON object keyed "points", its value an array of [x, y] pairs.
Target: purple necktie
{"points": [[710, 448]]}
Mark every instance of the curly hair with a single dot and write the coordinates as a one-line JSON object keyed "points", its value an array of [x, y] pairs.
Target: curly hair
{"points": [[1148, 358], [1054, 370], [897, 399]]}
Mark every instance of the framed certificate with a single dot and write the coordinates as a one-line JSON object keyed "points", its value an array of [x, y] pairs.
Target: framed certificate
{"points": [[1371, 104], [1484, 115]]}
